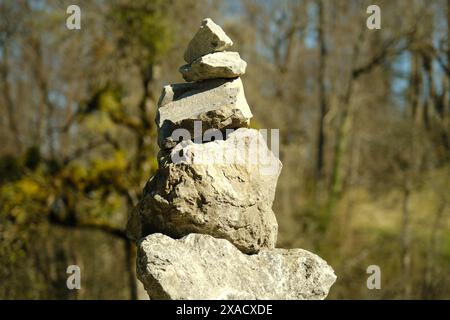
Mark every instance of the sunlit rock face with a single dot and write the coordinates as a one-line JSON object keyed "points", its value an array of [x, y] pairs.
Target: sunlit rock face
{"points": [[202, 267]]}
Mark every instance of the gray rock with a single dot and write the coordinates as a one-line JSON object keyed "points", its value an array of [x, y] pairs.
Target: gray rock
{"points": [[213, 66], [218, 104], [209, 38], [224, 188], [202, 267]]}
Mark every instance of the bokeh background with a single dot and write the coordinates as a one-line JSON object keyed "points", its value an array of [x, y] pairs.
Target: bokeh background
{"points": [[364, 123]]}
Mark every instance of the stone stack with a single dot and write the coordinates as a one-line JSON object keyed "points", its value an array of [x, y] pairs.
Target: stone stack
{"points": [[205, 226]]}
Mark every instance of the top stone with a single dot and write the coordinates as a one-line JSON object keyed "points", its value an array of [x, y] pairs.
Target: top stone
{"points": [[208, 39]]}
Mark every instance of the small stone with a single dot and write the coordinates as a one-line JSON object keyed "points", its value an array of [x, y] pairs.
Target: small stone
{"points": [[214, 65], [224, 188], [218, 103], [209, 38], [200, 267]]}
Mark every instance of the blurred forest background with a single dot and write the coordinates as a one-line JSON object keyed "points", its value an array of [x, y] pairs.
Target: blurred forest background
{"points": [[364, 121]]}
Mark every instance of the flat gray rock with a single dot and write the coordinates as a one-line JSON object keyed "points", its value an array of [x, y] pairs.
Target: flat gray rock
{"points": [[218, 104], [213, 66], [209, 38], [224, 188], [202, 267]]}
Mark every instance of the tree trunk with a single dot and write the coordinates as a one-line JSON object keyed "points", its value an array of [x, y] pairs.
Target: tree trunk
{"points": [[405, 240], [343, 131], [337, 174], [321, 92], [427, 289], [431, 98], [8, 100], [415, 87], [130, 254]]}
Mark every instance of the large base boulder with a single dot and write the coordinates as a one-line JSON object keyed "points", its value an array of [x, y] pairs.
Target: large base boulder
{"points": [[202, 267]]}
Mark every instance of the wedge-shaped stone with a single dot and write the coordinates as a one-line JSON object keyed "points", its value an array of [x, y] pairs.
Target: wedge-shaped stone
{"points": [[201, 267], [209, 38], [218, 103], [224, 188], [213, 66]]}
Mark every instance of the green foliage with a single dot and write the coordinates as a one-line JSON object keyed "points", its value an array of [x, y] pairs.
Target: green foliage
{"points": [[10, 168], [32, 157], [143, 28], [105, 99]]}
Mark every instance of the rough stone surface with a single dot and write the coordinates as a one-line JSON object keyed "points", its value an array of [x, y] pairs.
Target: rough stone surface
{"points": [[214, 65], [227, 197], [209, 38], [218, 103], [202, 267], [204, 225]]}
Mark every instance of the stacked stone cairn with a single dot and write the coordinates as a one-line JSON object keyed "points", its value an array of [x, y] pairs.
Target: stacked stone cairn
{"points": [[205, 227]]}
